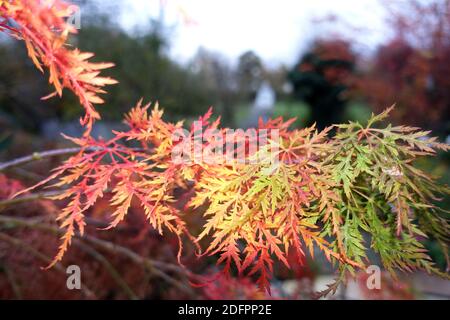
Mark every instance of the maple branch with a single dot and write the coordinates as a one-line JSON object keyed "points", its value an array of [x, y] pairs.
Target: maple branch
{"points": [[35, 156], [29, 197], [157, 268]]}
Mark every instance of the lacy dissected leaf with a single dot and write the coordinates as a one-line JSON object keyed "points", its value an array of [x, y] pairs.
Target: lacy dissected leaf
{"points": [[129, 174], [383, 194], [43, 27], [264, 192], [298, 191], [260, 209]]}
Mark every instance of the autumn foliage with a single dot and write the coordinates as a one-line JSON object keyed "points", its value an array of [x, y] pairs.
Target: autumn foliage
{"points": [[42, 26], [303, 191], [412, 67]]}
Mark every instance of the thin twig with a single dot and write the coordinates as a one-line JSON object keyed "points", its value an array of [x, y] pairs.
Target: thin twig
{"points": [[38, 156], [30, 197], [50, 153]]}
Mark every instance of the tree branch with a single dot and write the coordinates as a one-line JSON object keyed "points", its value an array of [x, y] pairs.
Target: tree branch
{"points": [[47, 154], [30, 197], [37, 156]]}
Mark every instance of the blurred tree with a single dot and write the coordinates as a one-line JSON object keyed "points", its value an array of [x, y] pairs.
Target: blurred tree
{"points": [[321, 79], [143, 69], [20, 104], [413, 67], [219, 79], [250, 72]]}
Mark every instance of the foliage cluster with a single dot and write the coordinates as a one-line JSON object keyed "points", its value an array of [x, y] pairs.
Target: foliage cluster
{"points": [[340, 195]]}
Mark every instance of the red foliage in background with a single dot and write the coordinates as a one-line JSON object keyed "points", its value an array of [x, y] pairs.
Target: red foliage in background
{"points": [[413, 68]]}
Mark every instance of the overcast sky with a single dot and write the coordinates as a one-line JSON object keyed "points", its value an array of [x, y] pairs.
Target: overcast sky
{"points": [[277, 30]]}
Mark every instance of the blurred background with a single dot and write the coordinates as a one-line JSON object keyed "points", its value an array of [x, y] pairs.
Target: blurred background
{"points": [[321, 61]]}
